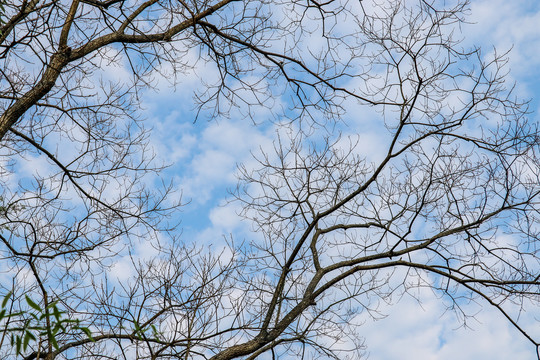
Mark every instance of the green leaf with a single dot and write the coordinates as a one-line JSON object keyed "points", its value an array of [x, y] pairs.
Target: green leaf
{"points": [[18, 344], [54, 343], [32, 304], [87, 332], [27, 337], [56, 313], [52, 305], [6, 299], [2, 314], [138, 331], [56, 328], [155, 331]]}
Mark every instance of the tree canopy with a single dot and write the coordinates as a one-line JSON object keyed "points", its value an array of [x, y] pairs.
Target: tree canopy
{"points": [[449, 201]]}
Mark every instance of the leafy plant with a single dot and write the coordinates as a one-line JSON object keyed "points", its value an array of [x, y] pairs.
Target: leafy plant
{"points": [[141, 332], [38, 324]]}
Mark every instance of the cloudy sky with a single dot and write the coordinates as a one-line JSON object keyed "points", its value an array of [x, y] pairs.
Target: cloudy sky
{"points": [[205, 157]]}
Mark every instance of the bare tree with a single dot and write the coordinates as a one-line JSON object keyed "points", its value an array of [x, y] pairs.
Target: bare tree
{"points": [[451, 203]]}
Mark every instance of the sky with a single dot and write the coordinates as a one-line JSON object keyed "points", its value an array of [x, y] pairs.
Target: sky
{"points": [[205, 156]]}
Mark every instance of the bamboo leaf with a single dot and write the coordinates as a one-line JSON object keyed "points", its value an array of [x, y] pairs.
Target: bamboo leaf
{"points": [[52, 305], [56, 313], [6, 299], [52, 339], [32, 304], [55, 329], [18, 344], [27, 337], [87, 332]]}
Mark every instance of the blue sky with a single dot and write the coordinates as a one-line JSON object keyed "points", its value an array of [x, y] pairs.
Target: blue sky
{"points": [[205, 157]]}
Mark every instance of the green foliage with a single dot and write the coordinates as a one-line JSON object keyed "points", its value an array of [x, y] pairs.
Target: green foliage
{"points": [[38, 324], [142, 332], [3, 208]]}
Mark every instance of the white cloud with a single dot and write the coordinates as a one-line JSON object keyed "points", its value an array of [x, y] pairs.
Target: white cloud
{"points": [[206, 163], [509, 25], [220, 147], [411, 332], [226, 216]]}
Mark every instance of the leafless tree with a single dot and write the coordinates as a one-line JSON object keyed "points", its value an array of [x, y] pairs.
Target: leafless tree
{"points": [[451, 203]]}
